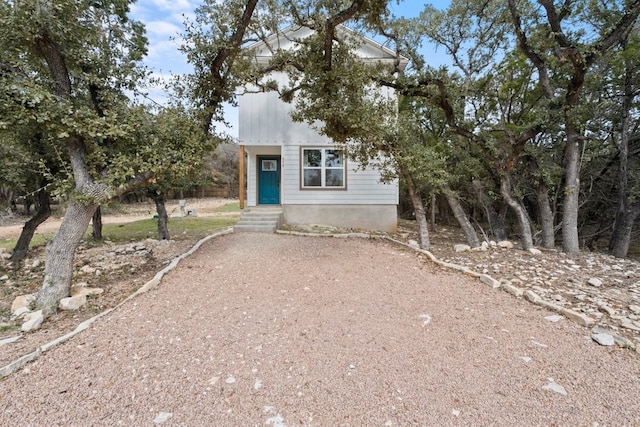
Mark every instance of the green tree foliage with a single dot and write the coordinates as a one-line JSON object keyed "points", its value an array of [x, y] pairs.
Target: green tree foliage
{"points": [[525, 102], [65, 67]]}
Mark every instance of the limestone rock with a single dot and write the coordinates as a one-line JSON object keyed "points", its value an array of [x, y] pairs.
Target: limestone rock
{"points": [[553, 386], [33, 321], [532, 297], [549, 305], [603, 339], [22, 301], [86, 291], [9, 340], [20, 312], [620, 341], [505, 244], [594, 281], [630, 326], [488, 280], [162, 417], [534, 251], [605, 308], [635, 309], [579, 318], [461, 248], [87, 269], [512, 289], [73, 303]]}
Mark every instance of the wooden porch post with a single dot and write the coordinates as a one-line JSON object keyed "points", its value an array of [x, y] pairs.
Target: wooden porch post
{"points": [[241, 172]]}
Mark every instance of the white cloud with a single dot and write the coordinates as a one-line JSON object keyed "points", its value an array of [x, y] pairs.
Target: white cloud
{"points": [[172, 4], [163, 28]]}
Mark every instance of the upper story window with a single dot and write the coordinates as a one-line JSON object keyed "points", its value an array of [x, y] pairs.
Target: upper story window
{"points": [[323, 168]]}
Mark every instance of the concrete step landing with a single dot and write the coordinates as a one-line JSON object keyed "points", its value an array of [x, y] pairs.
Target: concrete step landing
{"points": [[259, 219]]}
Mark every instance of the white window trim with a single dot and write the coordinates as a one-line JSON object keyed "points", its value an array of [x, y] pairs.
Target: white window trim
{"points": [[323, 169]]}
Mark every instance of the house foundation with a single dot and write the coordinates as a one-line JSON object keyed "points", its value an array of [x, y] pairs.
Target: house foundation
{"points": [[370, 217]]}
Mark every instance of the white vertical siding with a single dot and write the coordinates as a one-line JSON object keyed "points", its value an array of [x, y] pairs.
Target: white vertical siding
{"points": [[266, 120]]}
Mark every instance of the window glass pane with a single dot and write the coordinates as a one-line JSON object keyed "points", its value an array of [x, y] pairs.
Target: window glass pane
{"points": [[312, 158], [335, 177], [269, 165], [333, 158], [312, 178]]}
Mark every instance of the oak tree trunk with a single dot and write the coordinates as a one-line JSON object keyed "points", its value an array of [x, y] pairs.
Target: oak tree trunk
{"points": [[621, 237], [434, 206], [521, 213], [96, 222], [546, 218], [42, 213], [60, 253], [626, 212], [463, 219], [163, 217], [418, 210], [495, 222], [570, 204], [421, 218]]}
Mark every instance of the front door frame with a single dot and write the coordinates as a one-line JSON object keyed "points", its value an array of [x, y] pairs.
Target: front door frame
{"points": [[278, 176]]}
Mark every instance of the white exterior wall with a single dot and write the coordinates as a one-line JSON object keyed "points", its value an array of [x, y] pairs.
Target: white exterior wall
{"points": [[363, 186], [266, 120]]}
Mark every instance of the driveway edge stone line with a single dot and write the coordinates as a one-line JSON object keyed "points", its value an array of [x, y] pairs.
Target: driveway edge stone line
{"points": [[30, 357], [532, 297], [508, 287]]}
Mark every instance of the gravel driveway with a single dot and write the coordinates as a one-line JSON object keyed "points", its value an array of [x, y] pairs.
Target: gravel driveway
{"points": [[257, 329]]}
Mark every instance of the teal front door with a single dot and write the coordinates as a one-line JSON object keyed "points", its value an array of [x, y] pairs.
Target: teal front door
{"points": [[268, 180]]}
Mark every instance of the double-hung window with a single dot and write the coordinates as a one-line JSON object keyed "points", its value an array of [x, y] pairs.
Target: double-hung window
{"points": [[323, 168]]}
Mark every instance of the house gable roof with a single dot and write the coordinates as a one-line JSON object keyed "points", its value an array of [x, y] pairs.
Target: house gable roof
{"points": [[368, 49]]}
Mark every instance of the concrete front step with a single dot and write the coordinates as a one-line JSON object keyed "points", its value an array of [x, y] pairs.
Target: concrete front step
{"points": [[259, 220]]}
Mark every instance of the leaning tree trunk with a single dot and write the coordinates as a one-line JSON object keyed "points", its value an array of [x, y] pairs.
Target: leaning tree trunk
{"points": [[421, 215], [546, 218], [163, 217], [96, 222], [463, 220], [42, 214], [621, 238], [496, 224], [60, 254], [521, 214]]}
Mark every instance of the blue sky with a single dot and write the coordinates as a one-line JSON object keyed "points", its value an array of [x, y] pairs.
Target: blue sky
{"points": [[164, 20]]}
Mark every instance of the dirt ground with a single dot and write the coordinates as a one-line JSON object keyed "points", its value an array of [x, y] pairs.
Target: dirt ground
{"points": [[118, 282], [280, 330], [551, 274]]}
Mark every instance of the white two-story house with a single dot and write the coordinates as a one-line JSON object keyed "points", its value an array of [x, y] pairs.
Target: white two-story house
{"points": [[289, 164]]}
